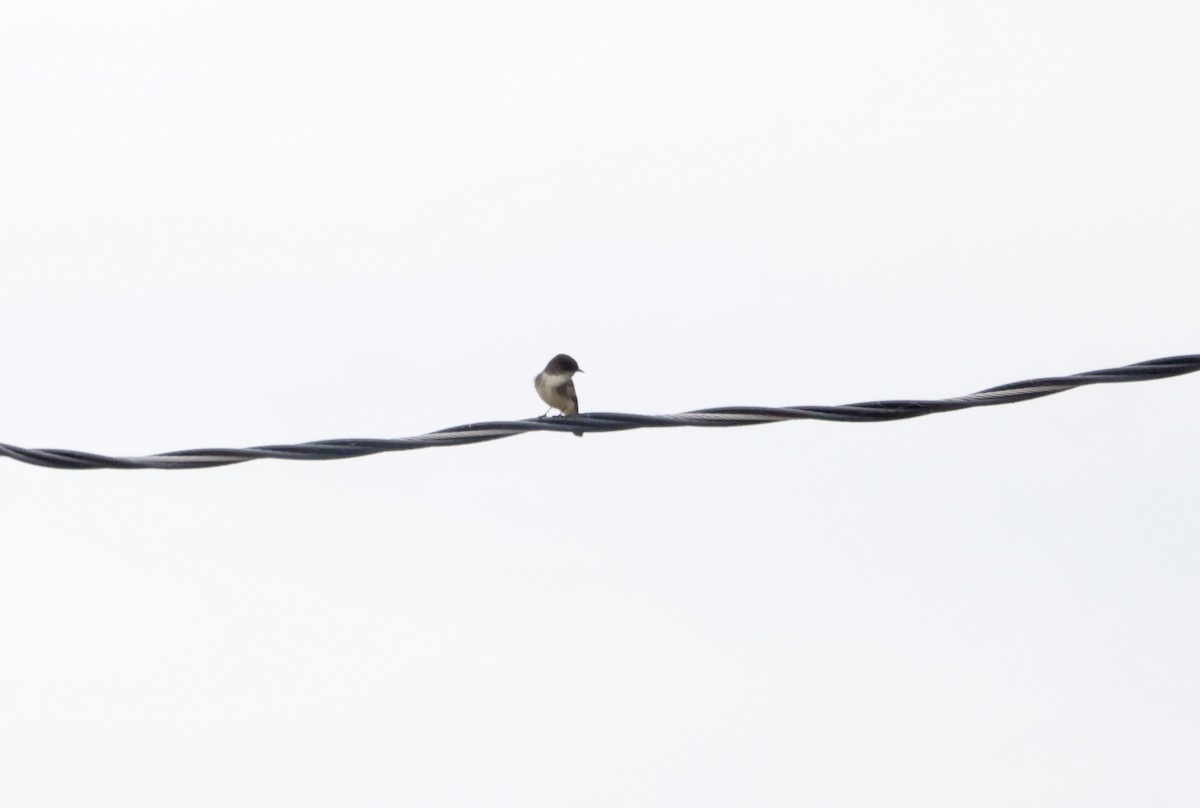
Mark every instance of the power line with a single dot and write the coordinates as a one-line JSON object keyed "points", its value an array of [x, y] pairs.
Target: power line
{"points": [[610, 422]]}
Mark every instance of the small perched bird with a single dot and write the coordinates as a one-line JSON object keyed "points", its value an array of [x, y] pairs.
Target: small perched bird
{"points": [[555, 387]]}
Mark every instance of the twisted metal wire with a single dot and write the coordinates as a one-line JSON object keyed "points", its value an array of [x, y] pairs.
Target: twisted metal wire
{"points": [[610, 422]]}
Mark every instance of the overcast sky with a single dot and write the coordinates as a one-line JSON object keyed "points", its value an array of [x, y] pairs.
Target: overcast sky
{"points": [[228, 224]]}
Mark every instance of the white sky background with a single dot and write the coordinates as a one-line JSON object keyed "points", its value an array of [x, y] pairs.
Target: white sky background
{"points": [[228, 224]]}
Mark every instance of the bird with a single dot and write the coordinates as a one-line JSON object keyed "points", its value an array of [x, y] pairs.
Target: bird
{"points": [[555, 387]]}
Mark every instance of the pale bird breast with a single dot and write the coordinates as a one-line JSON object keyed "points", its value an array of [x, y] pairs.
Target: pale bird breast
{"points": [[547, 385]]}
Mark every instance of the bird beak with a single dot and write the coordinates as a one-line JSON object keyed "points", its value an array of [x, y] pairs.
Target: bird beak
{"points": [[579, 371]]}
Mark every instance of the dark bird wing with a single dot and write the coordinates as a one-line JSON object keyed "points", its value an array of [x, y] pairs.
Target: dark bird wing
{"points": [[568, 392]]}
